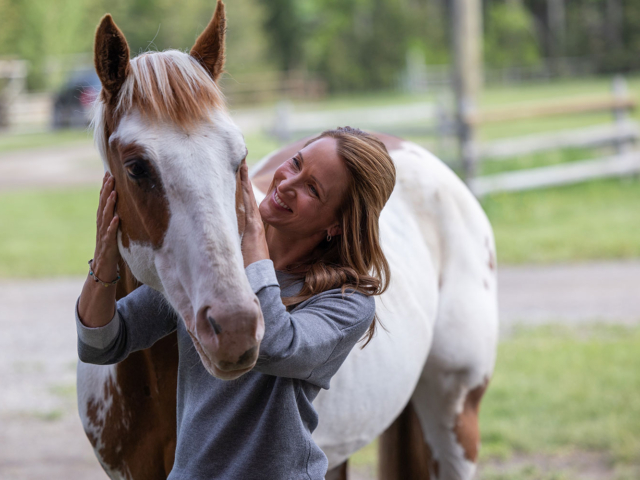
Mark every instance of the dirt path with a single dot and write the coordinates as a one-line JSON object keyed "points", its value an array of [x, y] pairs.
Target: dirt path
{"points": [[570, 293], [40, 433], [61, 166]]}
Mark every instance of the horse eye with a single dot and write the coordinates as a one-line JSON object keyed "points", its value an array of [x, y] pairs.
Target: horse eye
{"points": [[136, 169]]}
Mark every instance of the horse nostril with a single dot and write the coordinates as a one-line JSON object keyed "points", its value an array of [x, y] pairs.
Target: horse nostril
{"points": [[248, 356], [215, 325], [246, 359]]}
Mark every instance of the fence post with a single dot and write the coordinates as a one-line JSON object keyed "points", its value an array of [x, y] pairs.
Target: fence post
{"points": [[282, 127], [620, 113], [467, 49]]}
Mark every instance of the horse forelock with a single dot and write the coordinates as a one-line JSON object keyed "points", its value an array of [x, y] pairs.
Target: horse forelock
{"points": [[169, 86]]}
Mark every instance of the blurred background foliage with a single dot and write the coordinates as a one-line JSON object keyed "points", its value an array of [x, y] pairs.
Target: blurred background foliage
{"points": [[356, 45]]}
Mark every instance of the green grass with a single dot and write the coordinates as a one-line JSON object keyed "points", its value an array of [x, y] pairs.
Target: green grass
{"points": [[557, 391], [48, 233], [543, 159], [561, 389], [589, 221], [259, 146]]}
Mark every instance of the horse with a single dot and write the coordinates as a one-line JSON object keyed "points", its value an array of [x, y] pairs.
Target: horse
{"points": [[162, 130]]}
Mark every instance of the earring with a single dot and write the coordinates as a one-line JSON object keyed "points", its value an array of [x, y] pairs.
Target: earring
{"points": [[328, 237]]}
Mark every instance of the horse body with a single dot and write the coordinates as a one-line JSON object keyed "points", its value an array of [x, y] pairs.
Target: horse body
{"points": [[424, 372]]}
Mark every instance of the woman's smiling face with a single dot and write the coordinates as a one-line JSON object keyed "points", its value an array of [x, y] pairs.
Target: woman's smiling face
{"points": [[308, 191]]}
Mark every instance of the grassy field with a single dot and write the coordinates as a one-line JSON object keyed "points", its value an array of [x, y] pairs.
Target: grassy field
{"points": [[52, 232], [563, 401], [46, 233], [589, 221]]}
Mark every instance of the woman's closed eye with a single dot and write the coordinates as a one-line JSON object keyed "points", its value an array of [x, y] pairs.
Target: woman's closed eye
{"points": [[312, 189]]}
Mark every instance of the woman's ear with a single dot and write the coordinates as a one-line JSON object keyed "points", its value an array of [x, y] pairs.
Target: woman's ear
{"points": [[334, 230]]}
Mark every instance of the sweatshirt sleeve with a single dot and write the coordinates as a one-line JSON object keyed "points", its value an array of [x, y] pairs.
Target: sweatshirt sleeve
{"points": [[313, 340], [142, 318]]}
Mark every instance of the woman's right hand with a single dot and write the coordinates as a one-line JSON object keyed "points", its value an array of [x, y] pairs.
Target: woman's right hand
{"points": [[106, 255], [96, 305]]}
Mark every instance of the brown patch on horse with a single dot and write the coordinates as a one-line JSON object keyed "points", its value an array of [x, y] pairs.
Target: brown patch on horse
{"points": [[491, 262], [141, 422], [128, 283], [403, 452], [338, 473], [142, 204], [209, 47], [390, 141], [467, 430]]}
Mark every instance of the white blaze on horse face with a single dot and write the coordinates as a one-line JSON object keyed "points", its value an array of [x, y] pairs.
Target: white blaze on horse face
{"points": [[199, 264]]}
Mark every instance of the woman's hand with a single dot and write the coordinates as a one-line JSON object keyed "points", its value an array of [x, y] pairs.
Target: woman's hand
{"points": [[254, 242], [96, 306], [106, 255]]}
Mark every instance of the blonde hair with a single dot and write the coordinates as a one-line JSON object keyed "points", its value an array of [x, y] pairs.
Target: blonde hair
{"points": [[354, 260]]}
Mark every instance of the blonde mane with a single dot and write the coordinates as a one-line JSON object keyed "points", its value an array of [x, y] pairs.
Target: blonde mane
{"points": [[169, 86]]}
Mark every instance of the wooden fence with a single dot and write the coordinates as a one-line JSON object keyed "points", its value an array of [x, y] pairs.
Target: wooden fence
{"points": [[427, 119], [418, 118], [622, 134]]}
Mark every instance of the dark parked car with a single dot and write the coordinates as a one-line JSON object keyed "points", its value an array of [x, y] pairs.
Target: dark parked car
{"points": [[73, 102]]}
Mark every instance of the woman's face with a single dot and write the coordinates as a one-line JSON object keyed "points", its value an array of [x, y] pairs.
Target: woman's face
{"points": [[309, 189]]}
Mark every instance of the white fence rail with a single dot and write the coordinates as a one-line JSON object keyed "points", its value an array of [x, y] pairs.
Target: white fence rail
{"points": [[588, 137], [622, 133], [290, 124], [567, 173]]}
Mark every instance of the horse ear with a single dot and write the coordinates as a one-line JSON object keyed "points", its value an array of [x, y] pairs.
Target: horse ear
{"points": [[111, 56], [209, 47]]}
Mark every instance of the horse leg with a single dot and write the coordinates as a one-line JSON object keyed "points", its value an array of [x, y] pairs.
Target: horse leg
{"points": [[448, 412], [337, 473], [403, 452], [457, 372]]}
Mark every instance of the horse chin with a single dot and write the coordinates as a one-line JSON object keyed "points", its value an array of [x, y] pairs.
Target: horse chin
{"points": [[222, 375], [210, 366]]}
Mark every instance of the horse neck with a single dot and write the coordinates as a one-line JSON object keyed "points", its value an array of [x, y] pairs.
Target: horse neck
{"points": [[127, 283]]}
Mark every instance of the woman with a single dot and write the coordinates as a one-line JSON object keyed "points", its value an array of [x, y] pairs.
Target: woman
{"points": [[312, 256]]}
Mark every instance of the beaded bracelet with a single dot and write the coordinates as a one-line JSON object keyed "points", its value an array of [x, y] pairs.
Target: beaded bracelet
{"points": [[97, 280]]}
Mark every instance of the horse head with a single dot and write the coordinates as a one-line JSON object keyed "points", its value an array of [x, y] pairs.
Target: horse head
{"points": [[163, 132]]}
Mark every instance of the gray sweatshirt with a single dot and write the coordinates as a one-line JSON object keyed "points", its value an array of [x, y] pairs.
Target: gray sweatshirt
{"points": [[258, 426]]}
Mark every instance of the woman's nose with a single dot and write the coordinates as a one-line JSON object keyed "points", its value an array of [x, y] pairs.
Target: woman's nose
{"points": [[287, 184]]}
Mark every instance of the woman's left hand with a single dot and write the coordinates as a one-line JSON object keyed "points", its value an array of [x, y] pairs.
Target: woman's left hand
{"points": [[254, 241]]}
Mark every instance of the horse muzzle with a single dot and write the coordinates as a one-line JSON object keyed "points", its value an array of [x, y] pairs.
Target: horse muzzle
{"points": [[229, 336]]}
